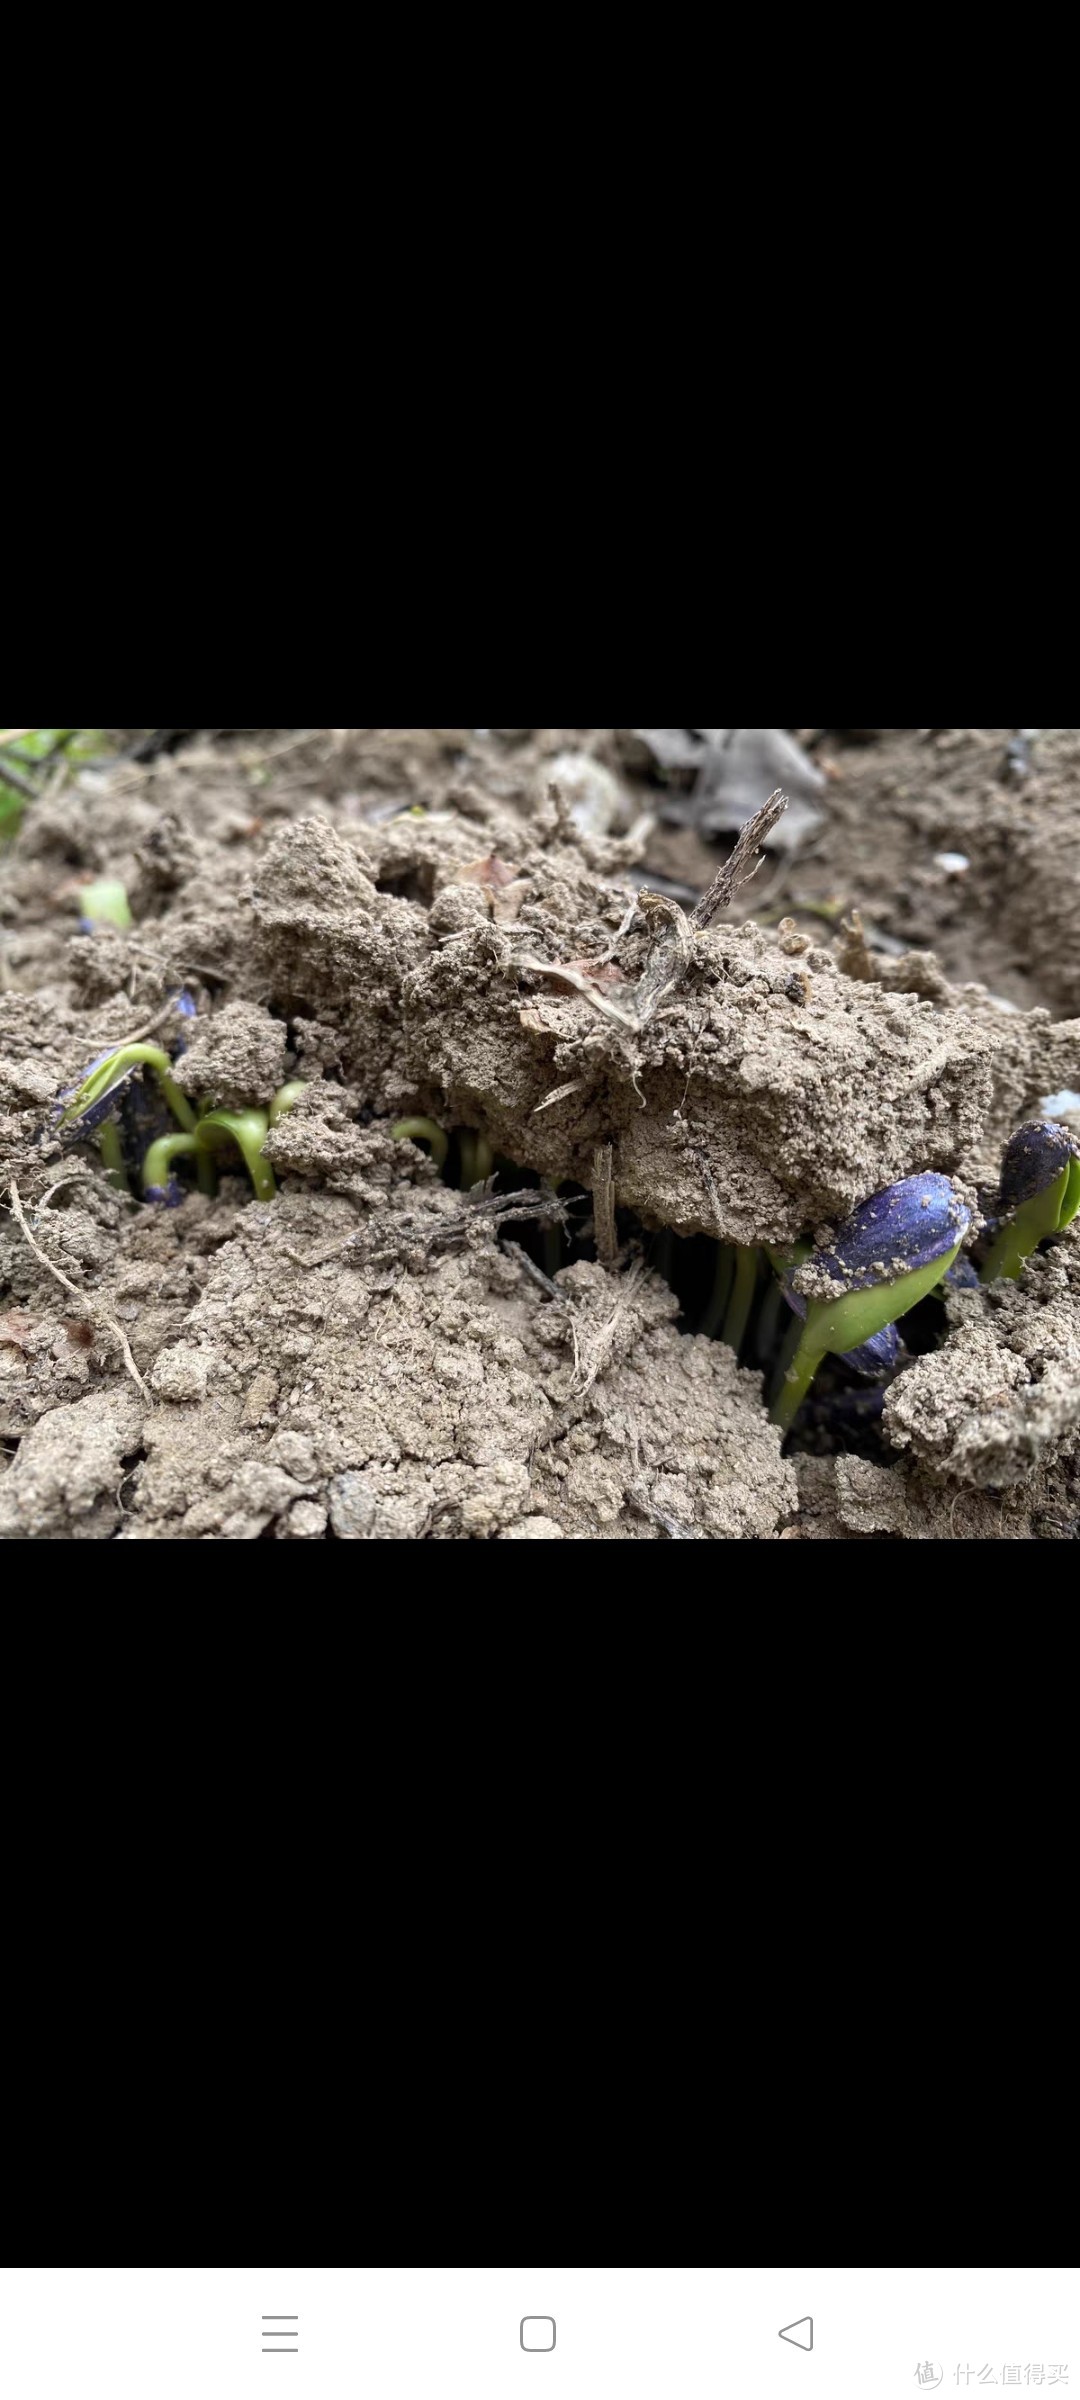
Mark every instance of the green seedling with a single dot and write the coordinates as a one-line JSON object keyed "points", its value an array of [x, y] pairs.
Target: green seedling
{"points": [[723, 1279], [1039, 1195], [91, 1108], [158, 1180], [769, 1315], [423, 1129], [785, 1362], [105, 903], [744, 1285], [246, 1129], [476, 1158], [892, 1251], [284, 1100], [112, 1152], [784, 1260], [92, 1100], [26, 752]]}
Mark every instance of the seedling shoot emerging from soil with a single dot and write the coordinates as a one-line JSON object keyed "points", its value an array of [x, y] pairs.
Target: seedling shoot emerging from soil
{"points": [[247, 1129], [95, 1097], [158, 1180], [105, 904], [891, 1252], [91, 1108], [1039, 1195], [423, 1129]]}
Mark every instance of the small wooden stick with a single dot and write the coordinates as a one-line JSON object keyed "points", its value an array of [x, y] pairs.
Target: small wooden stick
{"points": [[604, 1203], [530, 1267], [741, 866]]}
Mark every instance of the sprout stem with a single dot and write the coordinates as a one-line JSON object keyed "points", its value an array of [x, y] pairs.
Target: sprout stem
{"points": [[157, 1165], [833, 1327], [248, 1128], [475, 1156], [768, 1320], [284, 1100], [1044, 1213], [1007, 1253], [112, 1151], [423, 1129], [105, 903], [721, 1290], [175, 1098], [112, 1070], [790, 1343], [796, 1382]]}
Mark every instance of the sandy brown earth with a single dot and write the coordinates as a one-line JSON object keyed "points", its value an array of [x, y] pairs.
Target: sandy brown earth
{"points": [[437, 924]]}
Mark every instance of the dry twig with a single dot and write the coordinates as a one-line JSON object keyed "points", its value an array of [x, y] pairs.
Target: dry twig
{"points": [[604, 1203], [561, 1092], [742, 865], [593, 1346], [676, 1531], [529, 1266], [670, 960]]}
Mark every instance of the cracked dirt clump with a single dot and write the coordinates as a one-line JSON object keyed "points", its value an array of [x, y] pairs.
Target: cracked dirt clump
{"points": [[765, 1097], [392, 1370], [764, 1093], [858, 1499], [235, 1058], [70, 1468], [674, 1435], [1003, 1394]]}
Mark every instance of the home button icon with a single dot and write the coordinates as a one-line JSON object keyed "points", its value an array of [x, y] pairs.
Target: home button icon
{"points": [[538, 2333]]}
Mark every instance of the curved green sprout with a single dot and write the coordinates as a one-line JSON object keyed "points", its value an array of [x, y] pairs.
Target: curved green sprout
{"points": [[109, 1072], [783, 1258], [91, 1108], [833, 1327], [244, 1128], [247, 1128], [284, 1100], [423, 1129], [157, 1165], [477, 1158], [1040, 1185], [792, 1255]]}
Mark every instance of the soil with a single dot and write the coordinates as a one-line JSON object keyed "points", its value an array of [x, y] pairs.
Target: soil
{"points": [[434, 924]]}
